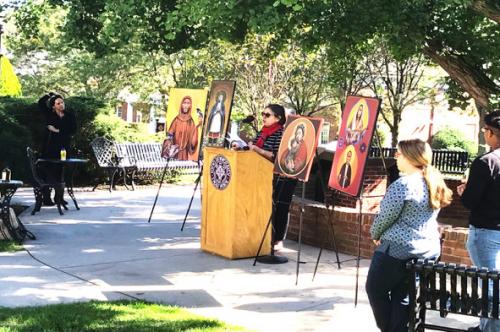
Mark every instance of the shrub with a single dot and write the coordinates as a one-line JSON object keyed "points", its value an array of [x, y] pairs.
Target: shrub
{"points": [[22, 125], [453, 139], [15, 135]]}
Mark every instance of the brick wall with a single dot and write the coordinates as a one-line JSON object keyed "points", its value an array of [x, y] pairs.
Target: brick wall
{"points": [[455, 214], [317, 231], [454, 247]]}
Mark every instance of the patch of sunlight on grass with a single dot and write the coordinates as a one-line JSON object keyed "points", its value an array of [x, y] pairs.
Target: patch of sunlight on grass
{"points": [[107, 316], [9, 246]]}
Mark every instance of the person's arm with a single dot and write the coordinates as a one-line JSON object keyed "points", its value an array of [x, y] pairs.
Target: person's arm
{"points": [[266, 154], [301, 158], [339, 175], [173, 127], [194, 138], [50, 123], [390, 208], [479, 178], [52, 128], [269, 155]]}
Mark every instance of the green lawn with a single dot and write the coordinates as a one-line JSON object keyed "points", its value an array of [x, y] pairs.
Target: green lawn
{"points": [[107, 316], [8, 245]]}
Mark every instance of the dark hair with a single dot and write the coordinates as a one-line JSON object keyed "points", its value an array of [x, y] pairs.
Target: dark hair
{"points": [[43, 103], [52, 100], [279, 111], [492, 119]]}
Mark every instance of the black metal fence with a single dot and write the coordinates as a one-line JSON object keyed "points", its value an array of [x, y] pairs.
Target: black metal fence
{"points": [[447, 161]]}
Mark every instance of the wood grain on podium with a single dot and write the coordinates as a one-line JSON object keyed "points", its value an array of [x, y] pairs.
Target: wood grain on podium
{"points": [[234, 219]]}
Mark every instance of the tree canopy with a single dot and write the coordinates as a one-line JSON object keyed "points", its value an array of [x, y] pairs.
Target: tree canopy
{"points": [[461, 36]]}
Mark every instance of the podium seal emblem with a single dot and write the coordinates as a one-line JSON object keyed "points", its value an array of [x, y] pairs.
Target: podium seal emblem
{"points": [[220, 172]]}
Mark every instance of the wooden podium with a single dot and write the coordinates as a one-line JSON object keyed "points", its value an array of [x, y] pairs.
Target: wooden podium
{"points": [[236, 204]]}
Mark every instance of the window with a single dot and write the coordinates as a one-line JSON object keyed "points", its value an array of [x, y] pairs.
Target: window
{"points": [[325, 133]]}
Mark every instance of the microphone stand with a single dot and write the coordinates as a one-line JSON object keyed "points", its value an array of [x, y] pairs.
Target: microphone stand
{"points": [[272, 258]]}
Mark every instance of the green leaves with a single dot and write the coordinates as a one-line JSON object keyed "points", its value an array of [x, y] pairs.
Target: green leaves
{"points": [[444, 30]]}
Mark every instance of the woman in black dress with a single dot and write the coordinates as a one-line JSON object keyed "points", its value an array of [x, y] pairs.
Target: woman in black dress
{"points": [[60, 126]]}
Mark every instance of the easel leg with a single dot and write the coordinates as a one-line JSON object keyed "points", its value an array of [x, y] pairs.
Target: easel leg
{"points": [[360, 220], [197, 182], [330, 224], [332, 232], [159, 188], [301, 218]]}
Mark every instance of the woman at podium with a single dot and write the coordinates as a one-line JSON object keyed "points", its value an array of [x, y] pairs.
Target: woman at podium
{"points": [[267, 143]]}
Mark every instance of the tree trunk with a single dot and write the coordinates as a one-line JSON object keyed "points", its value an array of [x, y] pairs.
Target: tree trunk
{"points": [[394, 138], [482, 143], [487, 8], [396, 120], [473, 81]]}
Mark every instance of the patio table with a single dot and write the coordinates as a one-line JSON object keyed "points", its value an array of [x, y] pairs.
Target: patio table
{"points": [[70, 163]]}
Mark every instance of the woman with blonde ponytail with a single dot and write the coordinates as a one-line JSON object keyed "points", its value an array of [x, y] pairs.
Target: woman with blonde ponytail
{"points": [[405, 228]]}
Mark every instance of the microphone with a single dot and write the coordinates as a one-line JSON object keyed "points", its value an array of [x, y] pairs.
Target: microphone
{"points": [[248, 119]]}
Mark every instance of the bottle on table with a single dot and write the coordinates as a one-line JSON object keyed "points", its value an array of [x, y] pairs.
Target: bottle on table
{"points": [[63, 154], [6, 174]]}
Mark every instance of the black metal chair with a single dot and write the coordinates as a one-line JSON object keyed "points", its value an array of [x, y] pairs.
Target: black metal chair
{"points": [[40, 184]]}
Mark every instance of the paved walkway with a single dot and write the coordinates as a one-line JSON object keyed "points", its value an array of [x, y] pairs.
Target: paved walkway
{"points": [[108, 251]]}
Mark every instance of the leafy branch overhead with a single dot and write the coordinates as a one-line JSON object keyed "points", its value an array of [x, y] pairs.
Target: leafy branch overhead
{"points": [[461, 36]]}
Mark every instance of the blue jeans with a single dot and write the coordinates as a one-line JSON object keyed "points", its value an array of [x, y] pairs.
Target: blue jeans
{"points": [[387, 289], [484, 250]]}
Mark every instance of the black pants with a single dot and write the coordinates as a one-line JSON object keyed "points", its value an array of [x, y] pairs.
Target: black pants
{"points": [[387, 289], [283, 189]]}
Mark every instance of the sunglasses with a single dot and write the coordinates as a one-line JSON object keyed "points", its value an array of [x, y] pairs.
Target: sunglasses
{"points": [[266, 115]]}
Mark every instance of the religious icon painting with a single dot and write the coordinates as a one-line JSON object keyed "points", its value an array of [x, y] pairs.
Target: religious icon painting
{"points": [[298, 145], [218, 113], [359, 118], [184, 121]]}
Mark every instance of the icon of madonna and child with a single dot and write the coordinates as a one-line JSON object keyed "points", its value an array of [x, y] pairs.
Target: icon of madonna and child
{"points": [[356, 127]]}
